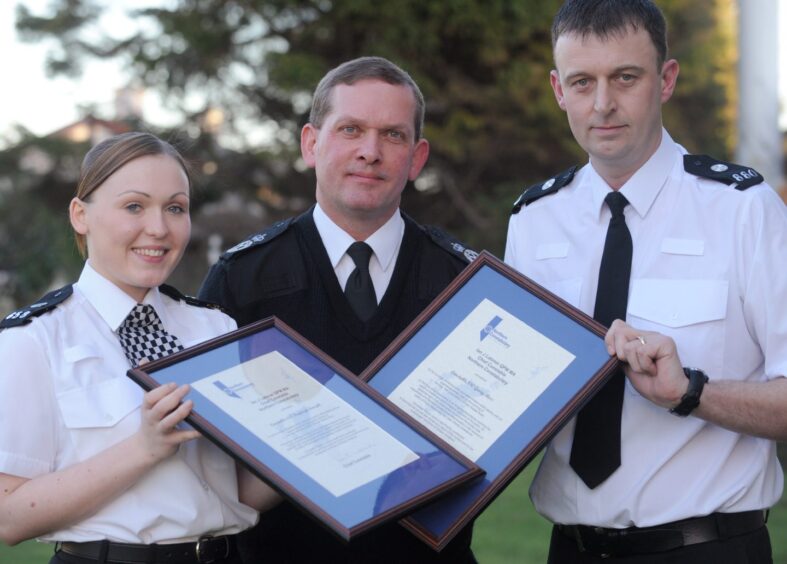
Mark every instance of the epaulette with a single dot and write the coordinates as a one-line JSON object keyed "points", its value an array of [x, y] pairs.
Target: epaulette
{"points": [[176, 294], [728, 173], [260, 238], [47, 303], [453, 246], [537, 191]]}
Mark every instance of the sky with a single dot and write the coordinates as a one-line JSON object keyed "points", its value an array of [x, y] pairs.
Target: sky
{"points": [[41, 104]]}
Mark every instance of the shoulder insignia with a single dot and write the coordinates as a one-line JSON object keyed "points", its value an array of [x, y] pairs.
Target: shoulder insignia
{"points": [[453, 246], [537, 191], [260, 238], [47, 303], [176, 294], [731, 174]]}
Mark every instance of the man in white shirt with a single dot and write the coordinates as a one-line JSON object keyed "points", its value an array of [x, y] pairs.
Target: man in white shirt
{"points": [[704, 282]]}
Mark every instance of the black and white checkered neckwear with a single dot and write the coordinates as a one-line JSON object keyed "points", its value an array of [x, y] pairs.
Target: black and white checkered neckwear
{"points": [[143, 337]]}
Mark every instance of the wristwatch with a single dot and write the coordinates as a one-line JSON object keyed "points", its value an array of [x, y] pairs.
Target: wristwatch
{"points": [[691, 398]]}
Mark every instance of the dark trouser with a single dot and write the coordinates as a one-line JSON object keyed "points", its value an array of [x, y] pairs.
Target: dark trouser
{"points": [[750, 548], [63, 558]]}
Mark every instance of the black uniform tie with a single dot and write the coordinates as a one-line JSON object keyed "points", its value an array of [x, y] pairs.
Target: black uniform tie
{"points": [[595, 452], [359, 289], [143, 337]]}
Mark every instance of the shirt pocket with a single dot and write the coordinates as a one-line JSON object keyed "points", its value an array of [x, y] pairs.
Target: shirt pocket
{"points": [[549, 270], [678, 303], [570, 290], [100, 405], [692, 312]]}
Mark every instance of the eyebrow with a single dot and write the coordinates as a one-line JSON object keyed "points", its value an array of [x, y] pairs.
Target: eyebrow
{"points": [[617, 70], [147, 195], [341, 119]]}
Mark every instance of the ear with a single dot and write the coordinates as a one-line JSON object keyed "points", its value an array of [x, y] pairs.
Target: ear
{"points": [[309, 135], [557, 88], [669, 77], [420, 154], [77, 210]]}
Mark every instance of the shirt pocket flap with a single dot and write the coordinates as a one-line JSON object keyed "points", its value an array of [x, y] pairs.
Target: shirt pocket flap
{"points": [[80, 352], [678, 303], [99, 405], [552, 250]]}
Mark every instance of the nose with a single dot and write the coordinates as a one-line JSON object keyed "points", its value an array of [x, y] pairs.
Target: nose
{"points": [[604, 102], [370, 148], [156, 223]]}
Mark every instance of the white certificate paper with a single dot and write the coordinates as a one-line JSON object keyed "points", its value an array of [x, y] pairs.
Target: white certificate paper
{"points": [[481, 378], [313, 428]]}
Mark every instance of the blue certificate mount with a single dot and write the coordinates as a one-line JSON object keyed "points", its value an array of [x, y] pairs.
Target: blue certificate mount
{"points": [[312, 449], [489, 279]]}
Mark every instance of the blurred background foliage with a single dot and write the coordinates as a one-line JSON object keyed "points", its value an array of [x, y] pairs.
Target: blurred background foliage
{"points": [[251, 66]]}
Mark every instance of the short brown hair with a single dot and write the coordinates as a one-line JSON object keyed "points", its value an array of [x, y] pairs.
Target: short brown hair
{"points": [[365, 68], [606, 18]]}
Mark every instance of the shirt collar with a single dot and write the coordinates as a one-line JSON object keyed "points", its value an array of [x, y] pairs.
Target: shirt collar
{"points": [[112, 303], [643, 187], [384, 242]]}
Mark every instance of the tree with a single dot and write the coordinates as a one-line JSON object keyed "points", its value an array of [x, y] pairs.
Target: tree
{"points": [[483, 65]]}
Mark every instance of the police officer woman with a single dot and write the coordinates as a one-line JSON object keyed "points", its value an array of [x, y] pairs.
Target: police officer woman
{"points": [[87, 460]]}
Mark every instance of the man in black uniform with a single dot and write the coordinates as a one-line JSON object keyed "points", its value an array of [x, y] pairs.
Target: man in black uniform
{"points": [[350, 273]]}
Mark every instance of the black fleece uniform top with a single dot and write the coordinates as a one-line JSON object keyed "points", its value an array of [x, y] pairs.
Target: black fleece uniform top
{"points": [[285, 271]]}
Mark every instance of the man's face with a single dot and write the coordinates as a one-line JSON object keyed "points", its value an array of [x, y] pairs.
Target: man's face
{"points": [[612, 91], [365, 152]]}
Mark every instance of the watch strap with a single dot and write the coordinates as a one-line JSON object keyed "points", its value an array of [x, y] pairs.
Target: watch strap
{"points": [[691, 399]]}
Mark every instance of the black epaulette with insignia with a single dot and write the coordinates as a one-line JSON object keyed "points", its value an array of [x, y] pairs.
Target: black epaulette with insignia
{"points": [[176, 294], [442, 239], [259, 239], [537, 191], [47, 303], [728, 173]]}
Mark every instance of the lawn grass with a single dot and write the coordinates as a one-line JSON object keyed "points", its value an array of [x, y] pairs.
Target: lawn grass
{"points": [[509, 531]]}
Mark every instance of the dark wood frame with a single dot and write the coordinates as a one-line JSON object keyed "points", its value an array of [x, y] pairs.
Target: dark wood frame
{"points": [[481, 499], [216, 431]]}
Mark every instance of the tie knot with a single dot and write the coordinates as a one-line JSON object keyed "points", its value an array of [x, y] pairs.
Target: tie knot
{"points": [[616, 202], [360, 252], [142, 315]]}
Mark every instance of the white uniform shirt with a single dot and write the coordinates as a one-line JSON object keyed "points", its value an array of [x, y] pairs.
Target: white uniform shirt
{"points": [[707, 270], [65, 396], [385, 242]]}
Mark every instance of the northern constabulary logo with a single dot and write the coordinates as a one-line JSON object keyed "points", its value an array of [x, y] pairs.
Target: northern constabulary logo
{"points": [[490, 327]]}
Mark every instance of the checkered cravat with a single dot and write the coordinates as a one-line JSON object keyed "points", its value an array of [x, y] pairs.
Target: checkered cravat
{"points": [[143, 337]]}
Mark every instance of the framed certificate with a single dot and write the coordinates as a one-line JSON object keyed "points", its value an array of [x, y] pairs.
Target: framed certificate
{"points": [[495, 366], [315, 432]]}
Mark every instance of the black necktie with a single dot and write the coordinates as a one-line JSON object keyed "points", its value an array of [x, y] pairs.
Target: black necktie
{"points": [[595, 452], [359, 289], [143, 337]]}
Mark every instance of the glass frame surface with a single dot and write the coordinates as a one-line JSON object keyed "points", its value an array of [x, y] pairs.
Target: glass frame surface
{"points": [[537, 316], [296, 442]]}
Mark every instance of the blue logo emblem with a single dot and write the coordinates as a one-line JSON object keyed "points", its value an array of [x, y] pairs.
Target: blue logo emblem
{"points": [[490, 327]]}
